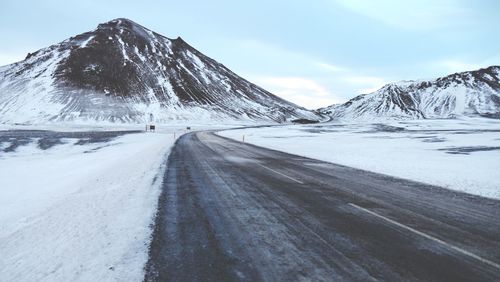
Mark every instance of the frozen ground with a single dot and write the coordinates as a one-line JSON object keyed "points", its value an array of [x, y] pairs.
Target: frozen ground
{"points": [[175, 126], [462, 155], [78, 206]]}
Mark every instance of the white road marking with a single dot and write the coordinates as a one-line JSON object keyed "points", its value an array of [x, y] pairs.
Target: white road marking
{"points": [[467, 253], [277, 172]]}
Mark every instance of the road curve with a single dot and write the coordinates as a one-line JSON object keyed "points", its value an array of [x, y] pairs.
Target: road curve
{"points": [[231, 211]]}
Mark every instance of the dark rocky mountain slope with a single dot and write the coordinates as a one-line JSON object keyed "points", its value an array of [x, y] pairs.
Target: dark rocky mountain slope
{"points": [[124, 72]]}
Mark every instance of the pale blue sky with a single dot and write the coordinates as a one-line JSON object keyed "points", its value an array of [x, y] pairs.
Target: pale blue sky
{"points": [[313, 53]]}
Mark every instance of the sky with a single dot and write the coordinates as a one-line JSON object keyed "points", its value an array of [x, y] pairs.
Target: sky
{"points": [[314, 53]]}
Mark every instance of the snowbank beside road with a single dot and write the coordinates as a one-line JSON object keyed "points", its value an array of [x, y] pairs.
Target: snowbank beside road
{"points": [[80, 212], [462, 154]]}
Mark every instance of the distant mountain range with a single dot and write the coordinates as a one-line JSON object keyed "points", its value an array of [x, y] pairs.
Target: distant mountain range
{"points": [[471, 93], [124, 72]]}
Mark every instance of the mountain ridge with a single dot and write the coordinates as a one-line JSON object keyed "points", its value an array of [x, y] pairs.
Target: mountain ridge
{"points": [[124, 72], [469, 93]]}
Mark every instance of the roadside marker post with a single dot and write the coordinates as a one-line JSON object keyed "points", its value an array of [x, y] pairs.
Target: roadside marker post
{"points": [[243, 138]]}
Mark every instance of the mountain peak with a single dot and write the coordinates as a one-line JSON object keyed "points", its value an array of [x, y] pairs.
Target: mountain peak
{"points": [[127, 29], [465, 93], [121, 22], [124, 72]]}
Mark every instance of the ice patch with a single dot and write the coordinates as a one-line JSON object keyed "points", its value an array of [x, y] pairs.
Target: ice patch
{"points": [[84, 43], [124, 51]]}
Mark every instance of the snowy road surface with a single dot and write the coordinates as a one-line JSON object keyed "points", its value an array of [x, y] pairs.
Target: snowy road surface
{"points": [[233, 211]]}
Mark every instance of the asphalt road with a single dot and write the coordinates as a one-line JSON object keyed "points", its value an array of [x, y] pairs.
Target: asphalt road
{"points": [[231, 211]]}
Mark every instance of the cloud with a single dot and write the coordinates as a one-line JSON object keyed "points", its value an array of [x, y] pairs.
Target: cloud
{"points": [[267, 55], [451, 65], [330, 67], [9, 58], [296, 83], [302, 91], [301, 78], [277, 60], [410, 14], [365, 84], [458, 66]]}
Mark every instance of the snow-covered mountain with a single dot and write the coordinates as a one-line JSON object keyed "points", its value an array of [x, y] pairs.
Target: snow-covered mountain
{"points": [[124, 72], [460, 94]]}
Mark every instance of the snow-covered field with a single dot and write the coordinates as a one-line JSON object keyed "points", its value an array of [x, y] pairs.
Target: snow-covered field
{"points": [[80, 209], [177, 126], [462, 154]]}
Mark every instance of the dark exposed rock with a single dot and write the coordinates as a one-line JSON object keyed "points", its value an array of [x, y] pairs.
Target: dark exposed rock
{"points": [[122, 71], [304, 121]]}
